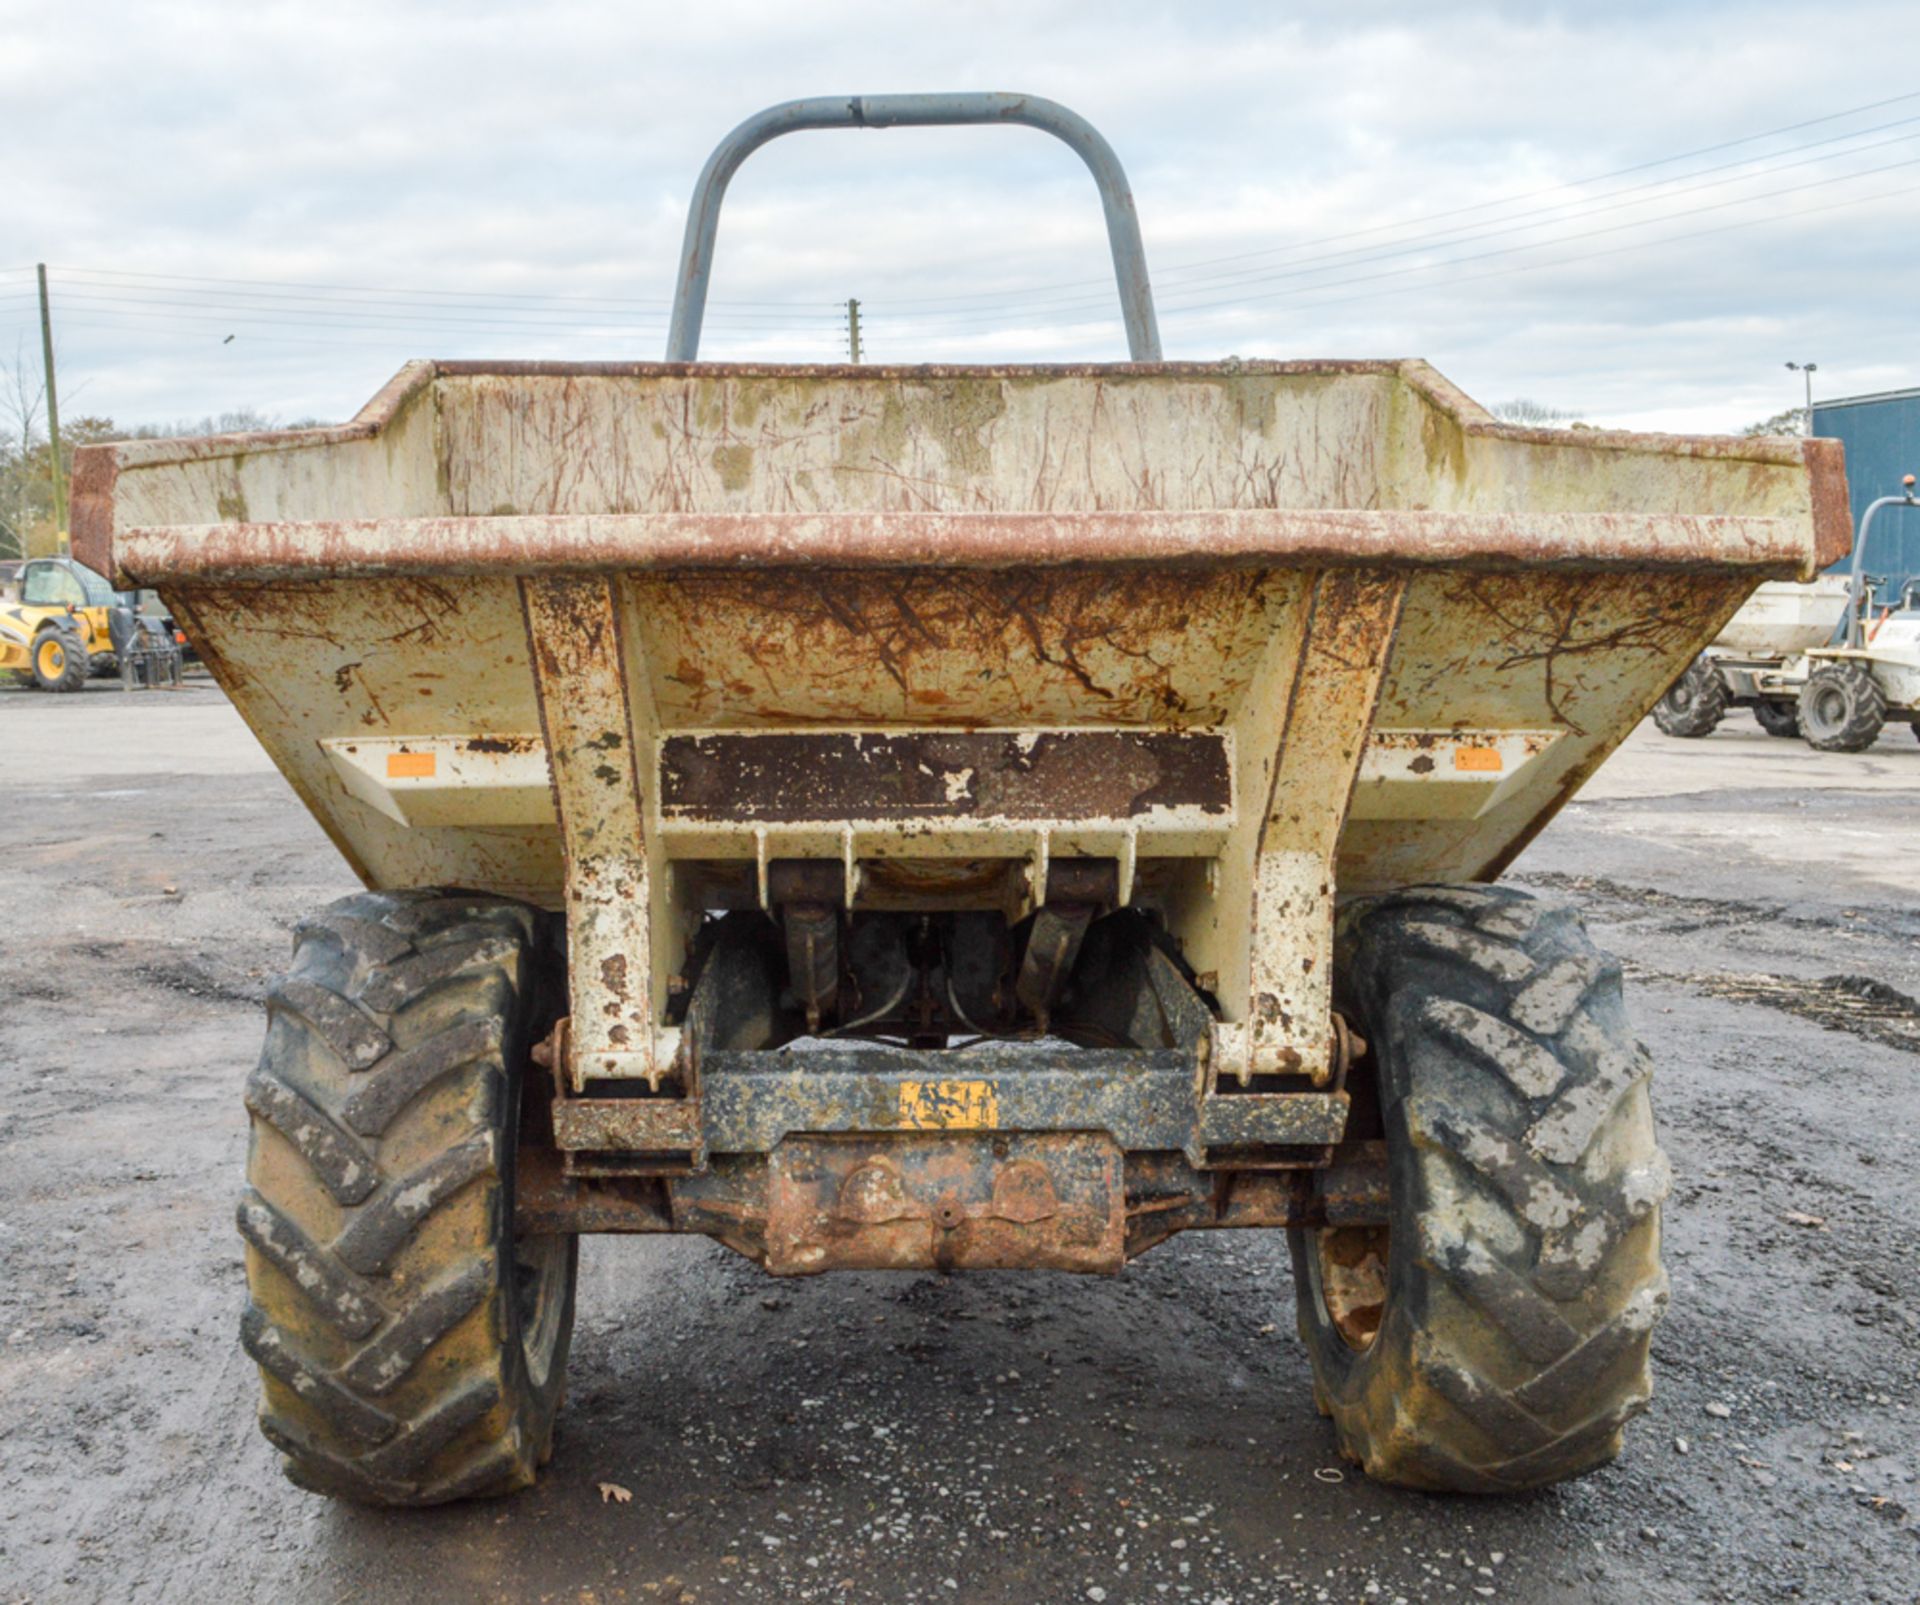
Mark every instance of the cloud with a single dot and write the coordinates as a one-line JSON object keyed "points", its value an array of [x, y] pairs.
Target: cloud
{"points": [[522, 175]]}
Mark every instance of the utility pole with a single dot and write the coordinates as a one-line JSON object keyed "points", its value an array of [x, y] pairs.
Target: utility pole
{"points": [[853, 331], [1808, 369], [53, 418]]}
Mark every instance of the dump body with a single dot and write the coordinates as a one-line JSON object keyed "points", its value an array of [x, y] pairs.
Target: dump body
{"points": [[1782, 620], [1235, 639]]}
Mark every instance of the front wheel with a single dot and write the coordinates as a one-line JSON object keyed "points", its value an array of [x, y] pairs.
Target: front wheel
{"points": [[59, 659], [412, 1349], [1493, 1335], [1695, 704], [1841, 707]]}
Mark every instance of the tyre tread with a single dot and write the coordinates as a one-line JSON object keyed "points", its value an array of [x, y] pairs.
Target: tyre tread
{"points": [[390, 997], [1522, 1070]]}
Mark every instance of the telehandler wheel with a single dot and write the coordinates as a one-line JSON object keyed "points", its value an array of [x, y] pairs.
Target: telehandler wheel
{"points": [[1695, 704], [1841, 708], [59, 659], [411, 1349], [1493, 1336], [1778, 718]]}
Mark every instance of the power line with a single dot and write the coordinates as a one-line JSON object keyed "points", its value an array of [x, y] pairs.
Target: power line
{"points": [[559, 311], [385, 312], [157, 304], [1581, 258], [1174, 305], [1584, 234], [1166, 275], [1570, 261], [1617, 250], [373, 340], [1612, 204], [1458, 237], [275, 285], [1623, 172], [1511, 200]]}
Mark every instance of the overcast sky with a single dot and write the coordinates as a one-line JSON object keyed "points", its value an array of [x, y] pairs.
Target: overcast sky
{"points": [[273, 206]]}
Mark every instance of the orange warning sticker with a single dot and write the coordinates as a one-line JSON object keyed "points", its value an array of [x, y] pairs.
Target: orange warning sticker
{"points": [[1485, 759], [411, 765]]}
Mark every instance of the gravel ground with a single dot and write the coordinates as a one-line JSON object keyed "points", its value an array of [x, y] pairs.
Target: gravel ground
{"points": [[990, 1438]]}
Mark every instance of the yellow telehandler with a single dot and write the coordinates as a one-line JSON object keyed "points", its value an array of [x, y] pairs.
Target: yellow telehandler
{"points": [[63, 628]]}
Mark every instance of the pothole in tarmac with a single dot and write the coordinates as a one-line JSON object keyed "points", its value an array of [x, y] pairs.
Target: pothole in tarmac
{"points": [[1857, 1004]]}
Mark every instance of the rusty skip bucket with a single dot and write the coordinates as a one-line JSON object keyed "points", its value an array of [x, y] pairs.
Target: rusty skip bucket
{"points": [[1014, 730]]}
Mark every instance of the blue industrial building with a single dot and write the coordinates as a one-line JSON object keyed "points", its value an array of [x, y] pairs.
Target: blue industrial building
{"points": [[1882, 437]]}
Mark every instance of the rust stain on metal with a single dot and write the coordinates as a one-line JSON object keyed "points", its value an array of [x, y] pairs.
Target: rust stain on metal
{"points": [[547, 1200], [1345, 650], [944, 775], [952, 648], [574, 642], [948, 1106], [1046, 1202], [626, 1125], [1832, 512], [1167, 540], [1564, 622], [90, 508]]}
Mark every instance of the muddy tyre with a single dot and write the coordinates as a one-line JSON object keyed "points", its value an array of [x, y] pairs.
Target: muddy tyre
{"points": [[1842, 709], [1778, 718], [411, 1350], [1494, 1335], [59, 659], [1694, 705]]}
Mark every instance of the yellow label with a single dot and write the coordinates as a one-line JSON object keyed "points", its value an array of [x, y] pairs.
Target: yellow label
{"points": [[1484, 758], [949, 1106], [411, 765]]}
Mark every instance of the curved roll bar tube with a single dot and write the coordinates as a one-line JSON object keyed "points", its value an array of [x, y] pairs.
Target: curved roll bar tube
{"points": [[914, 111]]}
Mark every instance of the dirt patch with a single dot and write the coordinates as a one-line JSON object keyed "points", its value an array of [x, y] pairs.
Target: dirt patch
{"points": [[1857, 1004]]}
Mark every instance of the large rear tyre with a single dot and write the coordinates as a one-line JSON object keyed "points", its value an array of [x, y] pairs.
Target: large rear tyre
{"points": [[1696, 703], [411, 1349], [1842, 708], [1778, 718], [1493, 1336], [59, 659]]}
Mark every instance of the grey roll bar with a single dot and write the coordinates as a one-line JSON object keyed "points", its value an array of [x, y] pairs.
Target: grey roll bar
{"points": [[913, 111], [1856, 570]]}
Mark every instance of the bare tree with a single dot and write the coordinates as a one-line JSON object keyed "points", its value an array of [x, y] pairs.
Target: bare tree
{"points": [[25, 495], [1791, 422], [1525, 410], [240, 421], [26, 491]]}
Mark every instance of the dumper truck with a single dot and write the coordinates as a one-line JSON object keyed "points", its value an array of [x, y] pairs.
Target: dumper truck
{"points": [[1835, 660], [940, 819]]}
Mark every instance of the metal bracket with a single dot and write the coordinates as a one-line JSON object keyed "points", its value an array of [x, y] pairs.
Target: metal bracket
{"points": [[808, 894], [1345, 643], [573, 641]]}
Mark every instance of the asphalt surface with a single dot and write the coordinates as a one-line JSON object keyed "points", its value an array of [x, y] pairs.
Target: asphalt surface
{"points": [[989, 1438]]}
